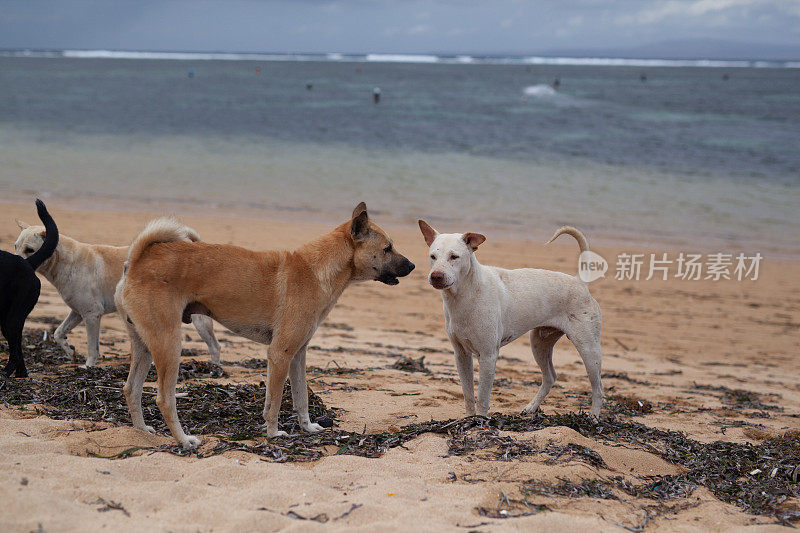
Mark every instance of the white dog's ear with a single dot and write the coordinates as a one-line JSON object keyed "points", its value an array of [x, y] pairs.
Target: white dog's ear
{"points": [[427, 231], [474, 240], [21, 224]]}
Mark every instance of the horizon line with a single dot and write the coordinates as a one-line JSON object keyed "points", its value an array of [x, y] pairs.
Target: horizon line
{"points": [[389, 57]]}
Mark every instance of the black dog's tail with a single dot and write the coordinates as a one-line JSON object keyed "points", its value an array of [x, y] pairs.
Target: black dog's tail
{"points": [[50, 238]]}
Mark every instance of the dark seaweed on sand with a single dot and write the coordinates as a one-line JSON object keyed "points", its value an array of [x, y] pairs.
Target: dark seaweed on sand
{"points": [[760, 479], [409, 364]]}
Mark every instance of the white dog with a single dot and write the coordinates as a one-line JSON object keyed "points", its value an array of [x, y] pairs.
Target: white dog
{"points": [[86, 277], [487, 307]]}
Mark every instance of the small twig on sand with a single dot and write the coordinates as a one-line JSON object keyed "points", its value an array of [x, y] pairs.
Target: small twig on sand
{"points": [[346, 513]]}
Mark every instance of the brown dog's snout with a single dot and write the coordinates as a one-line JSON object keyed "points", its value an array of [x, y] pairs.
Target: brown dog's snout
{"points": [[406, 269]]}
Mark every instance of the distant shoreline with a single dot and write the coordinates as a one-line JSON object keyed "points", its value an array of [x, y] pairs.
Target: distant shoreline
{"points": [[439, 59]]}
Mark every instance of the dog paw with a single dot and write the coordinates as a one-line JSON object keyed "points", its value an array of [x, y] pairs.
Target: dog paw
{"points": [[190, 443], [277, 433], [529, 410], [21, 373], [148, 429], [311, 427]]}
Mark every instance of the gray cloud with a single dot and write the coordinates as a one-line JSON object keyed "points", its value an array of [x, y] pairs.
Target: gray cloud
{"points": [[497, 26]]}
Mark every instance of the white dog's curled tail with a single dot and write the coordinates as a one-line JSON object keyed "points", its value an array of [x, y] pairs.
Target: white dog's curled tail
{"points": [[165, 229], [575, 232]]}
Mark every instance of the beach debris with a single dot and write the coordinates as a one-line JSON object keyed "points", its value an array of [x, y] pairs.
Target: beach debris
{"points": [[740, 400], [409, 364], [109, 505], [573, 450], [325, 421], [226, 413], [347, 513], [626, 405], [586, 488], [321, 518], [337, 325], [511, 508], [624, 376]]}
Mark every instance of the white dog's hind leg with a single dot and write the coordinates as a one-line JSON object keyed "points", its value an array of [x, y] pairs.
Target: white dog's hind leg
{"points": [[486, 362], [467, 375], [542, 342], [140, 365], [586, 338], [297, 379], [92, 338], [205, 327], [60, 335]]}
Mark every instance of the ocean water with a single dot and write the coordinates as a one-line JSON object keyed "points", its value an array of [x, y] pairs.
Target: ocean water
{"points": [[691, 155]]}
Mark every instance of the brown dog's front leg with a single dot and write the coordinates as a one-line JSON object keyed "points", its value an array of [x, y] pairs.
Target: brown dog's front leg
{"points": [[277, 371]]}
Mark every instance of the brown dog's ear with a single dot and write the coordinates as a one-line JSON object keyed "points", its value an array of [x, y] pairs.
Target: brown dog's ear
{"points": [[427, 231], [474, 240], [21, 224], [359, 226], [360, 208]]}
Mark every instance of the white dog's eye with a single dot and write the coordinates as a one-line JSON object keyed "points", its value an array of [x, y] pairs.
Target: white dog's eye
{"points": [[433, 256], [453, 257]]}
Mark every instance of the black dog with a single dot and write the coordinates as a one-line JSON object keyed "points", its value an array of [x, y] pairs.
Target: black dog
{"points": [[19, 291]]}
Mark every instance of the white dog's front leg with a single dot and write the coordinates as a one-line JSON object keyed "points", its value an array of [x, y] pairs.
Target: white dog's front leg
{"points": [[60, 335], [92, 338], [205, 327], [467, 376], [487, 363]]}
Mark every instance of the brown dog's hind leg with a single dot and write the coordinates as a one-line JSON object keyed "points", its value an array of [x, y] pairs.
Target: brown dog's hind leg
{"points": [[165, 346]]}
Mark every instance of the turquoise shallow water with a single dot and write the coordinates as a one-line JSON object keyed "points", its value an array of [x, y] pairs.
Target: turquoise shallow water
{"points": [[684, 157]]}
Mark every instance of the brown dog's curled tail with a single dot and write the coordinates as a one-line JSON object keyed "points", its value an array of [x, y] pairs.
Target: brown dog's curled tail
{"points": [[165, 229], [575, 232]]}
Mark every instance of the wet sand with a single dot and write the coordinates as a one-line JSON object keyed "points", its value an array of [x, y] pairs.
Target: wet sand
{"points": [[677, 346]]}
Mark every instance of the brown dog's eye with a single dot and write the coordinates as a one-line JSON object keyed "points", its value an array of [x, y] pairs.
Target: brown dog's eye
{"points": [[453, 257], [387, 249]]}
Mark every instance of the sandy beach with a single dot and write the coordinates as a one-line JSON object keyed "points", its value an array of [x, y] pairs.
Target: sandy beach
{"points": [[715, 360]]}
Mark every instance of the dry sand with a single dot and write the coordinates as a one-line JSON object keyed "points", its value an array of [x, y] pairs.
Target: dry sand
{"points": [[660, 340]]}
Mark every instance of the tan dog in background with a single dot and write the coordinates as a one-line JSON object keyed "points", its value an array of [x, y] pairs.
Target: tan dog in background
{"points": [[277, 298], [86, 276]]}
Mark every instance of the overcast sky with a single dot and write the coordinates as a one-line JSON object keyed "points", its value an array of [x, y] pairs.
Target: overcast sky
{"points": [[411, 26]]}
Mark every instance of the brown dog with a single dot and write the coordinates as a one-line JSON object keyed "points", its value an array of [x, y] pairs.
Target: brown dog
{"points": [[277, 298]]}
